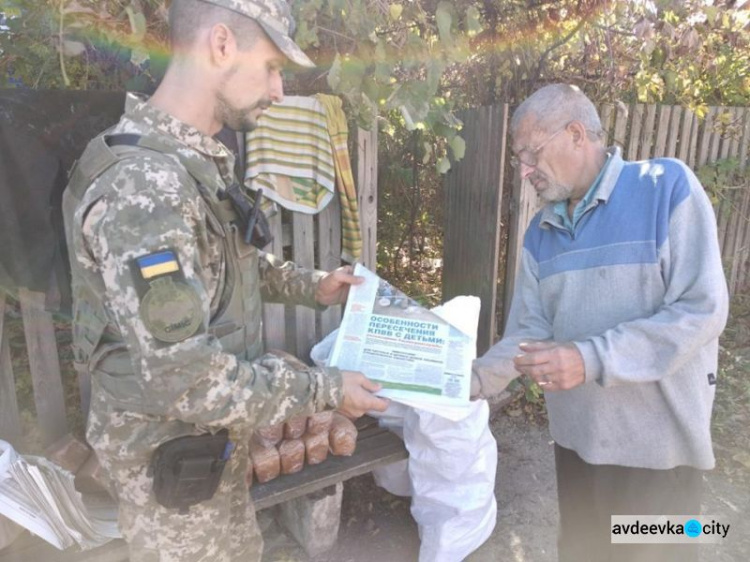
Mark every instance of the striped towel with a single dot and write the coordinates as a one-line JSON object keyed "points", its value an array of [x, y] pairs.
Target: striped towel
{"points": [[289, 155], [298, 154], [351, 235]]}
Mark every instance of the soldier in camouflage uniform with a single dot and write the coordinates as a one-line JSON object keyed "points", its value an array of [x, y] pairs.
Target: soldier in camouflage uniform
{"points": [[167, 309]]}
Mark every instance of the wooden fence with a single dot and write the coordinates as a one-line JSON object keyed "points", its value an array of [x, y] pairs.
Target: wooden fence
{"points": [[643, 131], [312, 241]]}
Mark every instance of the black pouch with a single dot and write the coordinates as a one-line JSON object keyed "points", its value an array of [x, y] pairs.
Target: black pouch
{"points": [[187, 470]]}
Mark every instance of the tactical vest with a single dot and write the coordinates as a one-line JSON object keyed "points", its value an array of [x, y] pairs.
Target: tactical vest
{"points": [[99, 350]]}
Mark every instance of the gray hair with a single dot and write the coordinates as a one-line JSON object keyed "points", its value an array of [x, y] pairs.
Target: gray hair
{"points": [[554, 106], [188, 17]]}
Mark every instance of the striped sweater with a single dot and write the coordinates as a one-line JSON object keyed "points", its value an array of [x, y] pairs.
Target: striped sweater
{"points": [[638, 287]]}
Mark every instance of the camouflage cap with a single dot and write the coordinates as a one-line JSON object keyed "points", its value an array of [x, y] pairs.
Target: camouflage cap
{"points": [[275, 17]]}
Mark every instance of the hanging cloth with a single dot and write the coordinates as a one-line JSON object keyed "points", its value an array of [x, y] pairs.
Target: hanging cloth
{"points": [[298, 155], [351, 235], [289, 156]]}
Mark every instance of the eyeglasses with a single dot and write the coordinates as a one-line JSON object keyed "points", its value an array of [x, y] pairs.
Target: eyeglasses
{"points": [[533, 153]]}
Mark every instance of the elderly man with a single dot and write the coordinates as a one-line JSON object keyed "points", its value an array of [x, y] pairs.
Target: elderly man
{"points": [[617, 311], [167, 281]]}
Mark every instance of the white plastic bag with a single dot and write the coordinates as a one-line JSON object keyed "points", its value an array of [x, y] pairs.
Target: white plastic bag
{"points": [[450, 475], [450, 472]]}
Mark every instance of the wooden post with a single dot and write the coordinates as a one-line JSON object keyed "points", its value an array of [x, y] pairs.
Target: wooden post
{"points": [[473, 191], [44, 364], [525, 204], [303, 254], [744, 147], [10, 422], [274, 317], [329, 257], [367, 194]]}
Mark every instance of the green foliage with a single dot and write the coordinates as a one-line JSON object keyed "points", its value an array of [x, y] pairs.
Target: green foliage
{"points": [[723, 175], [82, 44], [410, 213], [407, 65], [388, 58], [417, 61], [686, 52]]}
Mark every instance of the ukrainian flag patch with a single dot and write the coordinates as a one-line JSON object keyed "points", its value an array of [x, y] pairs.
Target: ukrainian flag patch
{"points": [[157, 264]]}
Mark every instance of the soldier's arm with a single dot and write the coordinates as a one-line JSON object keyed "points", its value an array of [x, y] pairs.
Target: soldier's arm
{"points": [[150, 220], [288, 283]]}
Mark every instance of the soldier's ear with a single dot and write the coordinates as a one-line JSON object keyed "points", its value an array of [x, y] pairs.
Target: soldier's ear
{"points": [[222, 45]]}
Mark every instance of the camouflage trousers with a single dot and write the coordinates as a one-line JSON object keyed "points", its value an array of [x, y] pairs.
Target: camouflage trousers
{"points": [[222, 529]]}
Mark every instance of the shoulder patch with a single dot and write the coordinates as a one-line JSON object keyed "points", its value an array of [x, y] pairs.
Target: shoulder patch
{"points": [[169, 307], [160, 263]]}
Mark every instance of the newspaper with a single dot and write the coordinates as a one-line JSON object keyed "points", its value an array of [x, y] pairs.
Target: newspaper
{"points": [[419, 358], [40, 496]]}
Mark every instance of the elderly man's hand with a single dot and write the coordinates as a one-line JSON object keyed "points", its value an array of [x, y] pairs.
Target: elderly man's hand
{"points": [[358, 397], [333, 288], [554, 366]]}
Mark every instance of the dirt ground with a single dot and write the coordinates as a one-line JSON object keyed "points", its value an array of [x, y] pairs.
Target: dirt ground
{"points": [[377, 526]]}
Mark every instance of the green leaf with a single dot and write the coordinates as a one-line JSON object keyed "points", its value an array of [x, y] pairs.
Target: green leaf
{"points": [[139, 56], [711, 13], [473, 25], [444, 21], [443, 165], [73, 48], [408, 119], [306, 36], [395, 10], [137, 23], [458, 146], [334, 74]]}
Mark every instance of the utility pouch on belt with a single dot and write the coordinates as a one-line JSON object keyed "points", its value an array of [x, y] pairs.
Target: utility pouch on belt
{"points": [[187, 470]]}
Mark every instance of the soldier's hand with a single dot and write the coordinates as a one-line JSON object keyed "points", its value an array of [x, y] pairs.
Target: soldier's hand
{"points": [[333, 288], [358, 397]]}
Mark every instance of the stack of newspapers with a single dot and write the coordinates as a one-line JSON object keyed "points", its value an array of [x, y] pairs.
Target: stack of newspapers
{"points": [[40, 496], [421, 357]]}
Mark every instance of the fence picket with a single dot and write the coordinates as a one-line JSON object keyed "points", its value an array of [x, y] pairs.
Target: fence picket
{"points": [[636, 123], [694, 129], [606, 112], [621, 125], [662, 131], [367, 194], [674, 131], [329, 257], [647, 133]]}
